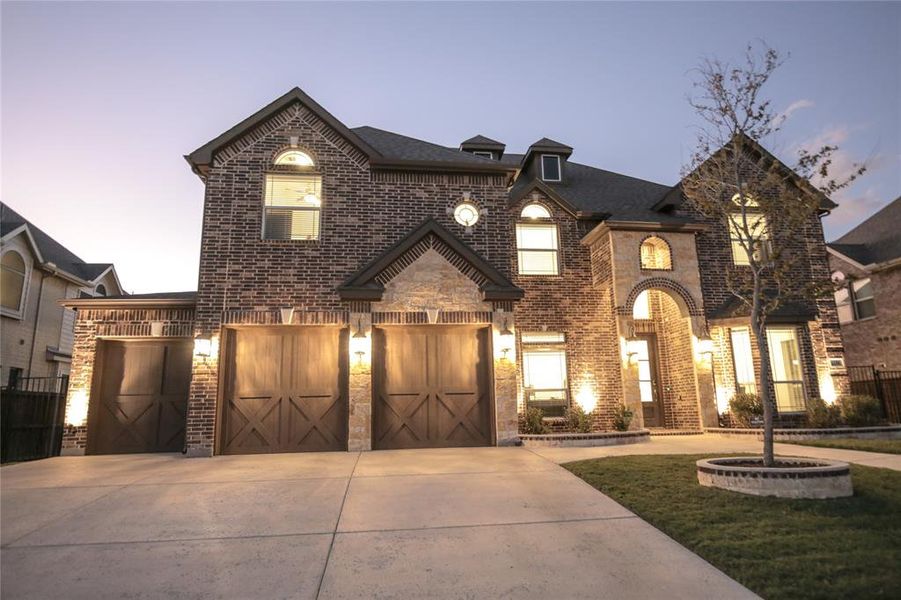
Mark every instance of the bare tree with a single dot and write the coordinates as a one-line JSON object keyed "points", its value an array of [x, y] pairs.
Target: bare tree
{"points": [[767, 205]]}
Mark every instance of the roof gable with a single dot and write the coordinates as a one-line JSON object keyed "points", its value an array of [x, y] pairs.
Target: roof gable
{"points": [[201, 158], [875, 240], [369, 282]]}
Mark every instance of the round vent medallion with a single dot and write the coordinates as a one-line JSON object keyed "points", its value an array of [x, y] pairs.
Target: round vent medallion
{"points": [[466, 214]]}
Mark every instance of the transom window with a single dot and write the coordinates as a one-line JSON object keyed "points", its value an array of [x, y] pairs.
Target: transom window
{"points": [[785, 362], [758, 238], [746, 199], [537, 247], [550, 167], [743, 361], [292, 207], [544, 372], [12, 281], [535, 211], [100, 290], [655, 254], [294, 158], [855, 301], [641, 308]]}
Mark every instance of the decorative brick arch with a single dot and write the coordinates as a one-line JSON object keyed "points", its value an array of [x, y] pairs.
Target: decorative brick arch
{"points": [[687, 304]]}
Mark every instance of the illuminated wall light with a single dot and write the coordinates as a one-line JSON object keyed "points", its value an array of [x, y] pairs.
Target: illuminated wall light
{"points": [[206, 348], [504, 341], [723, 395], [704, 348], [77, 410], [827, 387], [585, 398], [360, 346]]}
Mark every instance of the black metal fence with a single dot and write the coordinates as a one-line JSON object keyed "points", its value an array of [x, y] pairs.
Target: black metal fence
{"points": [[884, 385], [31, 417]]}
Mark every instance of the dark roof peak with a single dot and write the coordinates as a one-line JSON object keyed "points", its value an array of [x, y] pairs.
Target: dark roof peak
{"points": [[549, 144], [482, 141]]}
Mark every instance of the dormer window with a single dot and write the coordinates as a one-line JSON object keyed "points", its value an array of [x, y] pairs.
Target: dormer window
{"points": [[550, 167], [484, 153]]}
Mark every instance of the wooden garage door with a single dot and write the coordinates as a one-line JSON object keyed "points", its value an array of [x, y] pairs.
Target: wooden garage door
{"points": [[431, 387], [141, 396], [286, 390]]}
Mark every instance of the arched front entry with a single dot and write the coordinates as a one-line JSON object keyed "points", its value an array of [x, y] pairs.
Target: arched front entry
{"points": [[662, 360]]}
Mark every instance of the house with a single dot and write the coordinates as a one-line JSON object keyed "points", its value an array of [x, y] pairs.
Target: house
{"points": [[37, 273], [866, 268], [360, 289]]}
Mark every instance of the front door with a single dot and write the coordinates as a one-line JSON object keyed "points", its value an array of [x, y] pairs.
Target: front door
{"points": [[432, 387], [649, 380]]}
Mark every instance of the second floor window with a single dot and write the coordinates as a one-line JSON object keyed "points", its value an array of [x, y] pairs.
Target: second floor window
{"points": [[655, 254], [855, 301], [537, 247], [12, 285], [292, 207], [756, 236]]}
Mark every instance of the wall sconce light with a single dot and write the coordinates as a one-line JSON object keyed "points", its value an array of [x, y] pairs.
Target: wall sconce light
{"points": [[360, 354], [505, 352], [203, 347], [287, 315], [77, 410], [630, 358]]}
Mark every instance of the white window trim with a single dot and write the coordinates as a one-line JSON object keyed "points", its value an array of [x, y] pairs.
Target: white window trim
{"points": [[797, 339], [316, 209], [556, 251], [856, 300], [766, 245], [21, 250], [484, 153], [559, 167]]}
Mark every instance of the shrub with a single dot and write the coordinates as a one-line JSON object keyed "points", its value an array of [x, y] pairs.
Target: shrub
{"points": [[622, 418], [821, 415], [577, 420], [861, 411], [532, 422], [745, 408]]}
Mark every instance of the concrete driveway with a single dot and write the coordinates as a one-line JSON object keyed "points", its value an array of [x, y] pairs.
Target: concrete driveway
{"points": [[468, 523]]}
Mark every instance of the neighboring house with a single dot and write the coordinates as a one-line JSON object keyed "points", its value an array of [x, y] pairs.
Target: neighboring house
{"points": [[362, 289], [38, 272], [866, 267]]}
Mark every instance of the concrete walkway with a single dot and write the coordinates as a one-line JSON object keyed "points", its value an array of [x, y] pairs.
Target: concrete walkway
{"points": [[470, 523], [717, 444]]}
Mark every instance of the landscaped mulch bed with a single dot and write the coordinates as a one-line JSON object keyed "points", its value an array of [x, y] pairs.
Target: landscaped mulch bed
{"points": [[885, 446], [779, 548]]}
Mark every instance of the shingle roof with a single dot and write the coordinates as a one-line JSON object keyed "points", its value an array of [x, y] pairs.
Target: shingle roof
{"points": [[401, 147], [51, 250], [153, 296], [481, 140], [549, 143], [875, 240], [595, 190]]}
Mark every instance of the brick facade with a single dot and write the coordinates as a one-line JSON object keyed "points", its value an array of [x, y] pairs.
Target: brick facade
{"points": [[95, 324], [366, 209]]}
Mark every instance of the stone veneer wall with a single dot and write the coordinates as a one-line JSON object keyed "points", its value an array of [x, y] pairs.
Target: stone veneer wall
{"points": [[94, 324]]}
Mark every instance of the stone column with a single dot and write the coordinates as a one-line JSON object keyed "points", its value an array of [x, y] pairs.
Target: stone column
{"points": [[359, 435], [505, 386]]}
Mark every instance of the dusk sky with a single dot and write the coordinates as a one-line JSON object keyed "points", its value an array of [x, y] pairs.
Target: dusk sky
{"points": [[101, 101]]}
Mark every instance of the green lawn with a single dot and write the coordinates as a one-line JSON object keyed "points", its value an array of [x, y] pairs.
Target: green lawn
{"points": [[887, 446], [841, 548]]}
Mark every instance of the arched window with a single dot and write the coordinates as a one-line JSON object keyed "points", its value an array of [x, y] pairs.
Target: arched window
{"points": [[12, 281], [294, 158], [535, 211], [641, 308], [748, 200], [292, 201], [100, 290], [655, 254]]}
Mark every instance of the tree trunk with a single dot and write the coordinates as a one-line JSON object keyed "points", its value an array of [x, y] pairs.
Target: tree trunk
{"points": [[759, 329]]}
